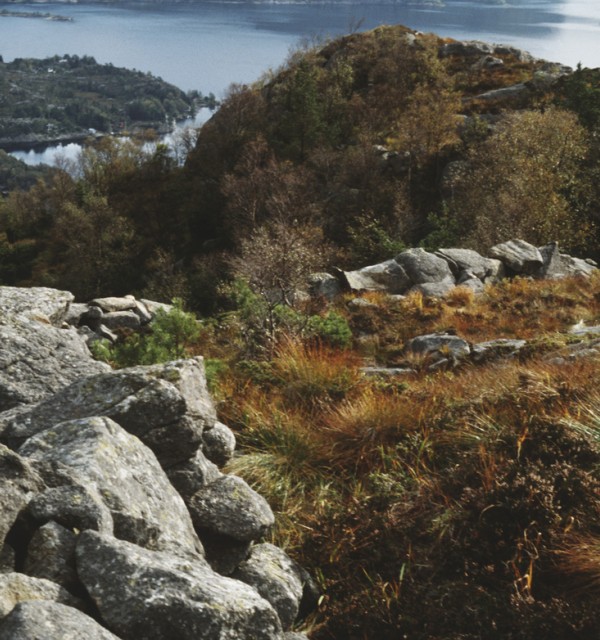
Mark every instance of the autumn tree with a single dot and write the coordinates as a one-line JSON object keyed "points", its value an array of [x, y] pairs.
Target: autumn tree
{"points": [[524, 181], [92, 243], [274, 262], [262, 188]]}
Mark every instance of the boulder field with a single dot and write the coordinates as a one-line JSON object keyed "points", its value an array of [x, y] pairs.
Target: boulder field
{"points": [[116, 520]]}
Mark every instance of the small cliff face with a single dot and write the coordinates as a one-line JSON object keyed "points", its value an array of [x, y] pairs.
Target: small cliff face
{"points": [[115, 515]]}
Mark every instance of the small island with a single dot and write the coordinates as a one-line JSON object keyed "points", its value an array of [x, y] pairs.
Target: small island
{"points": [[6, 13], [69, 98]]}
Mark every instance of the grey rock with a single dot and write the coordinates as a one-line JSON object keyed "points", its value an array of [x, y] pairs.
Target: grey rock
{"points": [[580, 329], [361, 303], [142, 312], [585, 349], [423, 267], [500, 348], [387, 276], [51, 555], [515, 91], [121, 320], [324, 285], [439, 364], [92, 315], [230, 507], [433, 343], [584, 353], [519, 256], [519, 54], [73, 506], [471, 282], [113, 304], [294, 635], [74, 313], [387, 372], [45, 620], [153, 306], [434, 289], [560, 265], [577, 266], [552, 266], [153, 595], [18, 483], [276, 577], [37, 359], [17, 587], [460, 260], [218, 444], [88, 335], [36, 303], [224, 554], [488, 62], [104, 333], [7, 559], [145, 507], [469, 48], [190, 476], [167, 406], [496, 273]]}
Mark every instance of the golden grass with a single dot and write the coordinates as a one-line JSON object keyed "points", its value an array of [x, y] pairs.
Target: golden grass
{"points": [[357, 428], [312, 374], [579, 561], [340, 455]]}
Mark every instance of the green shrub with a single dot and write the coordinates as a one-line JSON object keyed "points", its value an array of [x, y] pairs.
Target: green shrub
{"points": [[331, 329], [170, 335]]}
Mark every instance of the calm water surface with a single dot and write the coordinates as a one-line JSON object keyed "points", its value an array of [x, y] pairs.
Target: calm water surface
{"points": [[209, 45]]}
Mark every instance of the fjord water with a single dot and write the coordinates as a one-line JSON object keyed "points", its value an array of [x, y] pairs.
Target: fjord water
{"points": [[208, 45]]}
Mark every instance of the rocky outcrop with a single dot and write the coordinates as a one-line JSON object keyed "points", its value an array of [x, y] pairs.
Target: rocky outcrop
{"points": [[443, 344], [156, 596], [387, 276], [37, 359], [18, 482], [276, 577], [519, 256], [144, 506], [228, 507], [436, 274], [166, 406], [17, 587], [110, 485], [37, 303], [106, 318], [50, 621]]}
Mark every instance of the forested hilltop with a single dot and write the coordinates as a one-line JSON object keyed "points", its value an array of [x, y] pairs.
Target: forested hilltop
{"points": [[369, 143], [69, 97], [431, 454]]}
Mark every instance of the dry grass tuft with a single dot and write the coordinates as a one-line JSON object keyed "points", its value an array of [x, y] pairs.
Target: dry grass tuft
{"points": [[357, 428], [313, 374], [578, 560]]}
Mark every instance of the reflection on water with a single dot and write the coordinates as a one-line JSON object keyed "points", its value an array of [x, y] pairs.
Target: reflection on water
{"points": [[49, 155], [69, 152]]}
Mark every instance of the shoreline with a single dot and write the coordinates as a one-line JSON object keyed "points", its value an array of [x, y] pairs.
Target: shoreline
{"points": [[53, 17], [9, 145]]}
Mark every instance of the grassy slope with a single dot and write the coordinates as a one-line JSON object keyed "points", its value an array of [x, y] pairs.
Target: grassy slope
{"points": [[457, 504]]}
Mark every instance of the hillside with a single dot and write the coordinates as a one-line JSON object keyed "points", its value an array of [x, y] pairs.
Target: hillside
{"points": [[391, 243], [69, 98]]}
